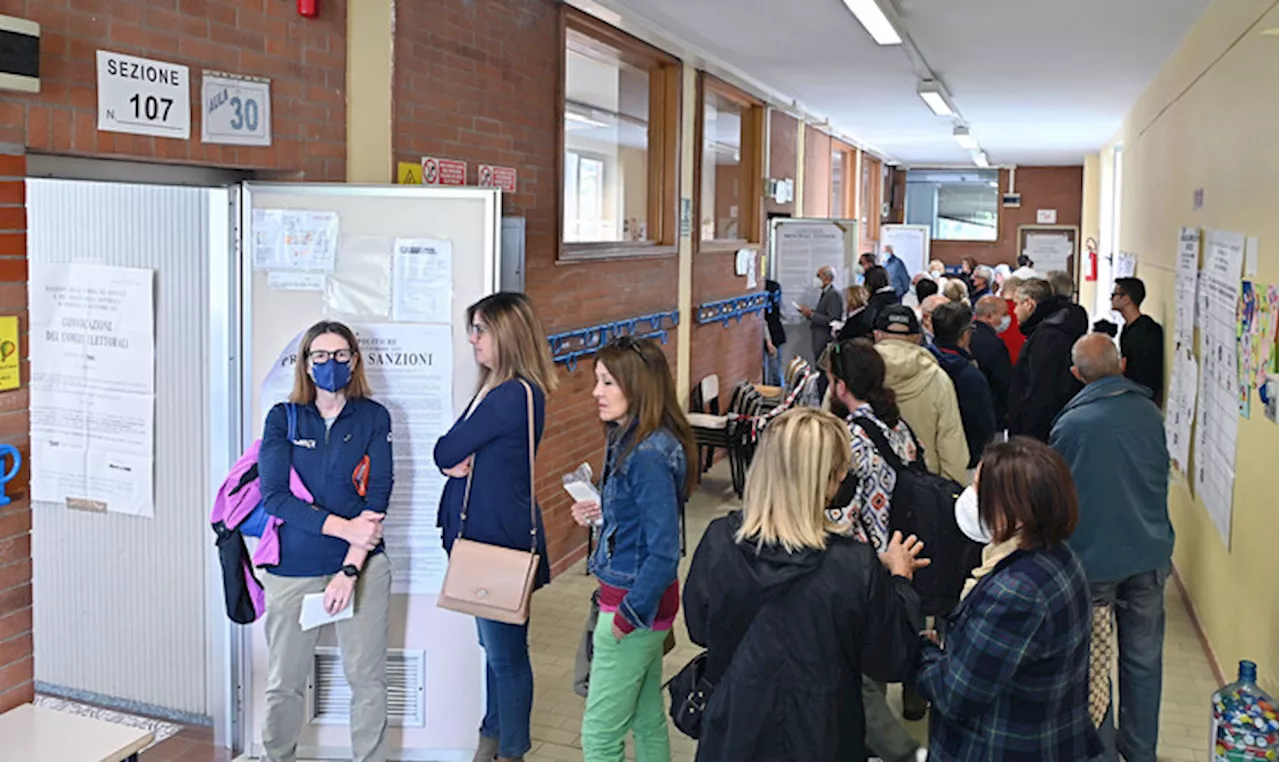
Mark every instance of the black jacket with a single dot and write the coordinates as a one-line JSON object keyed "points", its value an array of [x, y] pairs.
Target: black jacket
{"points": [[1142, 346], [992, 355], [977, 412], [1042, 380], [792, 690], [862, 325]]}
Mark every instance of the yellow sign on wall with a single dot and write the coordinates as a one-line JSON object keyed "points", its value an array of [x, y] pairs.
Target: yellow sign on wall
{"points": [[10, 357], [408, 173]]}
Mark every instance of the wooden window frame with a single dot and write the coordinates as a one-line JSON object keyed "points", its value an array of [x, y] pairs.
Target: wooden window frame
{"points": [[665, 84], [754, 114], [852, 179]]}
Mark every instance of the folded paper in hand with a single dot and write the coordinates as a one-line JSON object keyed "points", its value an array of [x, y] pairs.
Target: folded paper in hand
{"points": [[313, 614]]}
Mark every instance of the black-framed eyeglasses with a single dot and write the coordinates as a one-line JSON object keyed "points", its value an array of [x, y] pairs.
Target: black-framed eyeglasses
{"points": [[477, 329], [322, 356]]}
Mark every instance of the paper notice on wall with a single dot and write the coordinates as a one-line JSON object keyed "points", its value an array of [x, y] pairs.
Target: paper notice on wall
{"points": [[1251, 257], [752, 285], [422, 281], [1126, 265], [1049, 251], [1186, 277], [285, 280], [410, 368], [92, 343], [1180, 407], [801, 248], [285, 239], [1218, 411]]}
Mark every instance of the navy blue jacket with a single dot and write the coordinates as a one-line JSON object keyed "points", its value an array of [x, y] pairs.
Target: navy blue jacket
{"points": [[977, 411], [1013, 681], [325, 459], [1112, 437], [497, 434], [639, 548], [992, 355]]}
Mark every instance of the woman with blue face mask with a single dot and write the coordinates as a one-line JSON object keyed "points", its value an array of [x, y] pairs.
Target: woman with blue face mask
{"points": [[338, 442]]}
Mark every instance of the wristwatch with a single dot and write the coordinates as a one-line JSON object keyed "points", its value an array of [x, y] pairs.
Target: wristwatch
{"points": [[351, 571]]}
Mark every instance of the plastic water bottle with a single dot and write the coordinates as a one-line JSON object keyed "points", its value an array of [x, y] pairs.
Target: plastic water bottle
{"points": [[1245, 725]]}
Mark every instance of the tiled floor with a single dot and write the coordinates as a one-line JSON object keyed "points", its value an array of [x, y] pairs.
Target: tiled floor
{"points": [[558, 615]]}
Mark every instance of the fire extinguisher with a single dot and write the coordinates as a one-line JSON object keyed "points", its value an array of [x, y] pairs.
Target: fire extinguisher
{"points": [[1091, 273], [309, 8]]}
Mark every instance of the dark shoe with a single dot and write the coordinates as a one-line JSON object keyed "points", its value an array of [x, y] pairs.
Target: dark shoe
{"points": [[914, 706], [486, 750]]}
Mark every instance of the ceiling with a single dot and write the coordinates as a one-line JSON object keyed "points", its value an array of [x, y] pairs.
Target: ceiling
{"points": [[1038, 81]]}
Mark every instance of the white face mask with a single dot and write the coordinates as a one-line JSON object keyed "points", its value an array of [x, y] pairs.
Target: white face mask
{"points": [[967, 517], [819, 282], [1005, 322]]}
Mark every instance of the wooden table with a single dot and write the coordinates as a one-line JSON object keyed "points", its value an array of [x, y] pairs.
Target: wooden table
{"points": [[32, 733]]}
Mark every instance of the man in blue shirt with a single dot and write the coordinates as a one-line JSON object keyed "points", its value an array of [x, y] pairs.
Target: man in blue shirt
{"points": [[898, 275], [1112, 437]]}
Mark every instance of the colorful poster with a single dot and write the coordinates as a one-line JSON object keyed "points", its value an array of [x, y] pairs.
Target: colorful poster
{"points": [[1246, 312]]}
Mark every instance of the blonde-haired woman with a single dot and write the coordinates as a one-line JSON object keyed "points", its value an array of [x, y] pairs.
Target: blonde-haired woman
{"points": [[339, 442], [491, 442], [955, 290], [791, 612]]}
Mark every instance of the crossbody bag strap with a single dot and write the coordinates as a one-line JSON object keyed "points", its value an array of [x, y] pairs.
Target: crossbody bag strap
{"points": [[533, 501], [881, 442], [533, 510]]}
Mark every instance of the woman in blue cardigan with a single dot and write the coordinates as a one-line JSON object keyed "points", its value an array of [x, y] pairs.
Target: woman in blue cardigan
{"points": [[1011, 680], [491, 440]]}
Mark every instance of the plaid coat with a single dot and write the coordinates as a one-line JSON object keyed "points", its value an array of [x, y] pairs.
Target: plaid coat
{"points": [[1013, 681]]}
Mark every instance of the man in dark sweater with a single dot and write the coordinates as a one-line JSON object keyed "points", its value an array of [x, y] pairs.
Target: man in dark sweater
{"points": [[952, 330], [990, 319], [1141, 339], [1042, 381]]}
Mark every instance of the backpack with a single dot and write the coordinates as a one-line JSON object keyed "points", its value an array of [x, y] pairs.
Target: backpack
{"points": [[238, 513], [924, 504]]}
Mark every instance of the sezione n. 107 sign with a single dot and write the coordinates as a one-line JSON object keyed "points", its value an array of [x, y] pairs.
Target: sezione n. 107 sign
{"points": [[143, 97]]}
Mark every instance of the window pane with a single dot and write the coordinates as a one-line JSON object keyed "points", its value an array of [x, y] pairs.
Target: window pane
{"points": [[721, 169], [837, 184], [606, 137], [957, 205]]}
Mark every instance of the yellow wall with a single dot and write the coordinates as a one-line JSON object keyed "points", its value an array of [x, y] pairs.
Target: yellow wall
{"points": [[1089, 227], [1209, 120]]}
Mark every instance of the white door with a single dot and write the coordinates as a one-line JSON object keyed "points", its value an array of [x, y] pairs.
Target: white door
{"points": [[129, 609]]}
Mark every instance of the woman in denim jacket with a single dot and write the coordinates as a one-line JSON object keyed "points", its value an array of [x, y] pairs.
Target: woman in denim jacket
{"points": [[646, 481]]}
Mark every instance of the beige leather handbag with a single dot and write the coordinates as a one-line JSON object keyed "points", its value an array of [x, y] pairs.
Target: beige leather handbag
{"points": [[490, 581]]}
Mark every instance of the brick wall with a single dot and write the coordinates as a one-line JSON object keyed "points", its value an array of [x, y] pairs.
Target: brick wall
{"points": [[478, 82], [304, 58], [1059, 188], [735, 352], [16, 659]]}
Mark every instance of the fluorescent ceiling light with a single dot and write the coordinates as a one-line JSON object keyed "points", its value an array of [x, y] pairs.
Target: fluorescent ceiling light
{"points": [[934, 97], [980, 159], [965, 140], [873, 19]]}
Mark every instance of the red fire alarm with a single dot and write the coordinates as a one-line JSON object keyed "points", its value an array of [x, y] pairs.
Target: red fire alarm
{"points": [[309, 8]]}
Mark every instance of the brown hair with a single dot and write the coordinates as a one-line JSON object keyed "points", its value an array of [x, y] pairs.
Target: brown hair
{"points": [[519, 341], [641, 371], [861, 368], [1025, 489], [304, 388]]}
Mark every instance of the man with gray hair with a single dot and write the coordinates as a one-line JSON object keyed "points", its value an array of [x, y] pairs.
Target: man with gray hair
{"points": [[981, 281], [927, 307], [830, 308], [990, 319], [1112, 438], [1042, 381]]}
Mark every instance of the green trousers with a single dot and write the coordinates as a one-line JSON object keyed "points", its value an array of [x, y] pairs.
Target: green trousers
{"points": [[625, 694]]}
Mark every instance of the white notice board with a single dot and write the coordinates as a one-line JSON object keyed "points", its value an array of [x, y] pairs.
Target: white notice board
{"points": [[359, 283], [797, 248], [909, 242]]}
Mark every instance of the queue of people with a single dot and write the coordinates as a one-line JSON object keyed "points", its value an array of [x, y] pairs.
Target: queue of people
{"points": [[804, 599]]}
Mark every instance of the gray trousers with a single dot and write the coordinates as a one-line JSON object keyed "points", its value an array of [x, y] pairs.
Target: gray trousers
{"points": [[362, 640], [885, 735]]}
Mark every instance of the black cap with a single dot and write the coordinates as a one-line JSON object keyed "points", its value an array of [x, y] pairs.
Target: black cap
{"points": [[898, 319]]}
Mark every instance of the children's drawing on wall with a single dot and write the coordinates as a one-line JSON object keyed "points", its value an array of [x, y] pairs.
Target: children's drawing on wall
{"points": [[1246, 311], [1258, 355]]}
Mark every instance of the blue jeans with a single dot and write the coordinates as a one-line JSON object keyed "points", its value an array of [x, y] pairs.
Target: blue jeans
{"points": [[508, 686], [1139, 609], [773, 367]]}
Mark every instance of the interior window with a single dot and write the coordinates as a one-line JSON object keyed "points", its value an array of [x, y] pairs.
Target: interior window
{"points": [[957, 205]]}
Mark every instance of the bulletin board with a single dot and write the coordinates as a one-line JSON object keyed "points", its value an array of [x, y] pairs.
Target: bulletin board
{"points": [[909, 242], [1051, 247], [371, 256], [797, 248]]}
